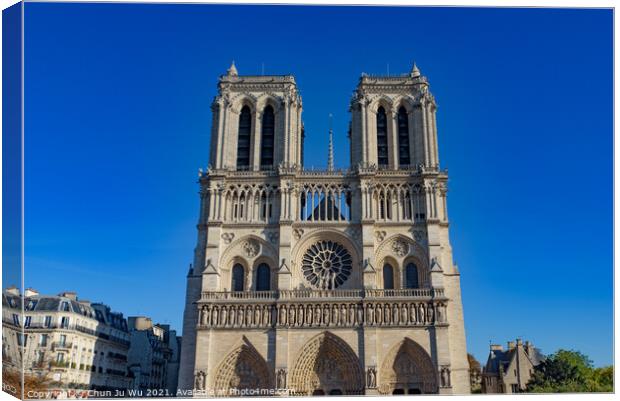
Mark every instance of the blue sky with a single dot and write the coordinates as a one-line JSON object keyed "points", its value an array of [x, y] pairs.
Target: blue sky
{"points": [[118, 118]]}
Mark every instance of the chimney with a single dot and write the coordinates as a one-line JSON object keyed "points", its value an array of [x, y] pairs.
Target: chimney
{"points": [[529, 348], [72, 295], [84, 302], [511, 345], [139, 323], [13, 290], [519, 342], [30, 292], [496, 347]]}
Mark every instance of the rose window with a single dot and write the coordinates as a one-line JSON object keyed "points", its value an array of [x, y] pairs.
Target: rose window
{"points": [[326, 265]]}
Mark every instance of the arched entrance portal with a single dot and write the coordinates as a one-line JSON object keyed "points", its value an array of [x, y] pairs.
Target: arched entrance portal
{"points": [[242, 372], [327, 365], [408, 369]]}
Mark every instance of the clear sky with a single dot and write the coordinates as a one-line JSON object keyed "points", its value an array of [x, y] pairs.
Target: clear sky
{"points": [[118, 119]]}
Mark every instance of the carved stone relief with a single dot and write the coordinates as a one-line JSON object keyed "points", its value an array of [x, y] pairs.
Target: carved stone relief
{"points": [[400, 248], [251, 248], [228, 237]]}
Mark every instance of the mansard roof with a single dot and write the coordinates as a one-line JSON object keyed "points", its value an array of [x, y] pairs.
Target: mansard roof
{"points": [[60, 303]]}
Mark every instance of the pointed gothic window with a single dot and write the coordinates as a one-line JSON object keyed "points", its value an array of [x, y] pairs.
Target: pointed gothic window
{"points": [[243, 139], [263, 278], [388, 277], [237, 278], [267, 139], [411, 276], [382, 137], [403, 138]]}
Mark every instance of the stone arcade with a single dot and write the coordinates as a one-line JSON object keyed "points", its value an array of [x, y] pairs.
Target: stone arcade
{"points": [[323, 282]]}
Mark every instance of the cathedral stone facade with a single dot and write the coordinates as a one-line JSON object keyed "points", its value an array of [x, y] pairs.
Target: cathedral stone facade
{"points": [[323, 282]]}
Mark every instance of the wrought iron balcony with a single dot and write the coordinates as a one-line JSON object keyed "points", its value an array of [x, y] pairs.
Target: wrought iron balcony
{"points": [[59, 346]]}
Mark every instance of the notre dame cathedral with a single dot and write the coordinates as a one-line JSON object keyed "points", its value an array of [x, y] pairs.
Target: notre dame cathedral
{"points": [[323, 282]]}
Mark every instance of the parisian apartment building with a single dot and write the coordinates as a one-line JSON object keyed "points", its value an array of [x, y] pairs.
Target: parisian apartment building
{"points": [[153, 356], [73, 343]]}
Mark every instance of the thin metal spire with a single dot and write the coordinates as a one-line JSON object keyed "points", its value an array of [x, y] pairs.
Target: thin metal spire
{"points": [[330, 155]]}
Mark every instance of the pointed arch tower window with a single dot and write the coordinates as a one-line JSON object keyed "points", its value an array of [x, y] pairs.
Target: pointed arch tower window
{"points": [[411, 276], [388, 277], [382, 137], [404, 158], [243, 138], [267, 138], [263, 278], [238, 274]]}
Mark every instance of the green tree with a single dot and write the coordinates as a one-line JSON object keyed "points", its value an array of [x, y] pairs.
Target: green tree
{"points": [[475, 374], [569, 372]]}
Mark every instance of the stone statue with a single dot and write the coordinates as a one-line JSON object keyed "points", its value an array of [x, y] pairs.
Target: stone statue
{"points": [[429, 313], [241, 316], [371, 377], [360, 314], [440, 314], [203, 316], [282, 316], [412, 314], [317, 315], [371, 314], [200, 380], [300, 315], [291, 315], [256, 316], [266, 316], [445, 376], [281, 379], [215, 316]]}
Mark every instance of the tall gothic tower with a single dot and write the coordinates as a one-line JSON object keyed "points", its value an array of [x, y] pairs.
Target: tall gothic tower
{"points": [[323, 282]]}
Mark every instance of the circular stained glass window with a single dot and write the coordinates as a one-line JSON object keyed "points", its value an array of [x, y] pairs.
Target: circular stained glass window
{"points": [[326, 265]]}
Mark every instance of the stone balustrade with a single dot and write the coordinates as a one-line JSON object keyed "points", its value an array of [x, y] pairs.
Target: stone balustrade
{"points": [[323, 308], [314, 294]]}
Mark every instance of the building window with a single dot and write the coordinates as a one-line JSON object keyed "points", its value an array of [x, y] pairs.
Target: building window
{"points": [[65, 306], [403, 138], [243, 138], [237, 278], [263, 278], [43, 340], [22, 339], [411, 276], [48, 321], [267, 138], [382, 137], [64, 322], [28, 321], [63, 340], [60, 357], [15, 319], [388, 277], [514, 388]]}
